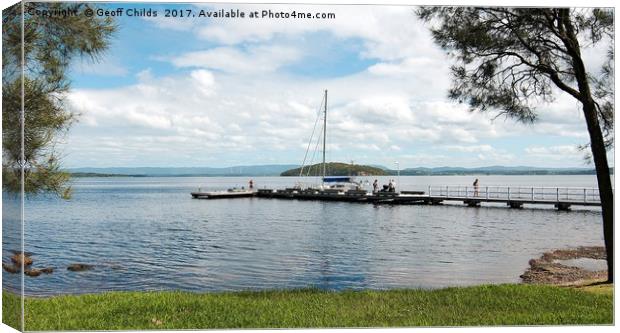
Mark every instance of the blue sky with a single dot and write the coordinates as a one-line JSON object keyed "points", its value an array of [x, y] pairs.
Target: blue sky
{"points": [[221, 92]]}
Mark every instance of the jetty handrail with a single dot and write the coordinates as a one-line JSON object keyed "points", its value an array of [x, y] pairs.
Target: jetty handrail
{"points": [[526, 193], [515, 186]]}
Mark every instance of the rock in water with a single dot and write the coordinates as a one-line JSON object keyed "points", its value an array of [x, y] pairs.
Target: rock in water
{"points": [[10, 268], [18, 258], [47, 270], [32, 272], [79, 267]]}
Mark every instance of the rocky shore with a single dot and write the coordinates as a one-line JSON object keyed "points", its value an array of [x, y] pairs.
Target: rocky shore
{"points": [[547, 269]]}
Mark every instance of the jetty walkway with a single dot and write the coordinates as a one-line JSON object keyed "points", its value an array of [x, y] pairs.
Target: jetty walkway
{"points": [[561, 198]]}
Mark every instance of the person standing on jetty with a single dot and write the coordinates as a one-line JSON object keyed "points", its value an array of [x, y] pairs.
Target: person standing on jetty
{"points": [[476, 192], [375, 186]]}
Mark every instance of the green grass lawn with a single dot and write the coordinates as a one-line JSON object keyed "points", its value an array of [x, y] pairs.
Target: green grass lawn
{"points": [[479, 305]]}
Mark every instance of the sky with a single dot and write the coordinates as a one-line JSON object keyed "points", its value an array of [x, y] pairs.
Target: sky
{"points": [[220, 92]]}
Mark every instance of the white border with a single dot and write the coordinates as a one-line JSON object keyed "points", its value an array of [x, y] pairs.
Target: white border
{"points": [[523, 3]]}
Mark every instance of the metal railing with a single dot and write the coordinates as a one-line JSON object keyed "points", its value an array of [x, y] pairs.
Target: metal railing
{"points": [[558, 194]]}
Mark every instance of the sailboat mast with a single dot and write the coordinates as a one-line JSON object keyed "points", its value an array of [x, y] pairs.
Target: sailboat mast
{"points": [[324, 133]]}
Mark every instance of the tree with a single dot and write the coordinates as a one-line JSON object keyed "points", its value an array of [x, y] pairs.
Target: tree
{"points": [[50, 43], [508, 60]]}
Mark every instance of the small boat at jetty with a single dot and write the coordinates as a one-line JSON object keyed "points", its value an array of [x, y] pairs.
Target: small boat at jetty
{"points": [[231, 193]]}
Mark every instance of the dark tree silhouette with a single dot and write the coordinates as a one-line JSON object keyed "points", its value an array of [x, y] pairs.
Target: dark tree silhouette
{"points": [[508, 60]]}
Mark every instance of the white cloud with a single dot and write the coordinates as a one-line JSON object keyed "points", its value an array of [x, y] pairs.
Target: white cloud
{"points": [[204, 80], [271, 118], [152, 105], [234, 101], [551, 151], [409, 66], [142, 117], [257, 59], [364, 146], [379, 109], [560, 154], [469, 149], [145, 75], [386, 32]]}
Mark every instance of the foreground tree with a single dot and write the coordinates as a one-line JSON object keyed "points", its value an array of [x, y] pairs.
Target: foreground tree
{"points": [[50, 43], [510, 59]]}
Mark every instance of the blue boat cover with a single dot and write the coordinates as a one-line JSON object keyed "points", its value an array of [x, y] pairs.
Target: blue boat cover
{"points": [[337, 180]]}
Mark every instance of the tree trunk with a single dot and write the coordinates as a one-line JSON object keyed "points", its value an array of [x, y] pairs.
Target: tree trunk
{"points": [[599, 155], [597, 142]]}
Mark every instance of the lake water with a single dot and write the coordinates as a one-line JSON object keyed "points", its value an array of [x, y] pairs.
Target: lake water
{"points": [[149, 234]]}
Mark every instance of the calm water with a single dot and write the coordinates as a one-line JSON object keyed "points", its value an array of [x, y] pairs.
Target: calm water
{"points": [[148, 234]]}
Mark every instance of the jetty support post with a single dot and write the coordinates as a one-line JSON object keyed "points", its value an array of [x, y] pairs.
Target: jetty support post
{"points": [[433, 201], [562, 206], [472, 203], [515, 204]]}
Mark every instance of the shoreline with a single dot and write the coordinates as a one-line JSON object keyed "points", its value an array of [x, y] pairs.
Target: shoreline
{"points": [[544, 301]]}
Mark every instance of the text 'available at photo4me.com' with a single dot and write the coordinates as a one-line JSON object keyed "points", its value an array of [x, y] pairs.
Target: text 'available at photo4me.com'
{"points": [[233, 13]]}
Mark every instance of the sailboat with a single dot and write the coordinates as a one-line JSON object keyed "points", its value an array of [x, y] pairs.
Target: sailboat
{"points": [[329, 184]]}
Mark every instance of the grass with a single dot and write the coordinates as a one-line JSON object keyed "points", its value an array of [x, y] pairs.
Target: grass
{"points": [[598, 288], [479, 305]]}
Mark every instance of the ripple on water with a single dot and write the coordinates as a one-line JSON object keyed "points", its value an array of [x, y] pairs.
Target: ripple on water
{"points": [[147, 234]]}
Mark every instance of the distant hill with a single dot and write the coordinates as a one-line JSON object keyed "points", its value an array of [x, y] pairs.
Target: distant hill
{"points": [[233, 171], [334, 169], [94, 174], [338, 169]]}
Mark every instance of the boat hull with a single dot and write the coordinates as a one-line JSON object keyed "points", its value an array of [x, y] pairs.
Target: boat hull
{"points": [[222, 195]]}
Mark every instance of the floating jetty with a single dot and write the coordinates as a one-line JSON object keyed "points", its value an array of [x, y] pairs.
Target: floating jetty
{"points": [[561, 198], [223, 194]]}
